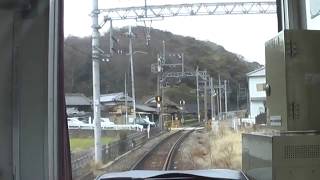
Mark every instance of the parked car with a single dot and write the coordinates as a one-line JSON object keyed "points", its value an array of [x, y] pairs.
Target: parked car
{"points": [[105, 123], [142, 122], [76, 123], [75, 112]]}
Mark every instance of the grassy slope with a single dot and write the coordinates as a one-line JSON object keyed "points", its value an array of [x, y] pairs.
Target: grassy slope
{"points": [[77, 144]]}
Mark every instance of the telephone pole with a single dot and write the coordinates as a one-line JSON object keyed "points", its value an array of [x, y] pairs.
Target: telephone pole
{"points": [[238, 97], [164, 51], [126, 97], [159, 69], [132, 76], [96, 81], [217, 100], [162, 61], [198, 103], [225, 98], [205, 102], [110, 38], [220, 94], [213, 113]]}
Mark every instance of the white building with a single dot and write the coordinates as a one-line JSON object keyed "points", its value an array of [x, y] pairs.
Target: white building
{"points": [[257, 95]]}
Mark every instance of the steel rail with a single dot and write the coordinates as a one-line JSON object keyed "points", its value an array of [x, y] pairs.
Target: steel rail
{"points": [[173, 149], [169, 160]]}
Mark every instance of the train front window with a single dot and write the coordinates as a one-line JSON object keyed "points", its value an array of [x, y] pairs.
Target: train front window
{"points": [[163, 85]]}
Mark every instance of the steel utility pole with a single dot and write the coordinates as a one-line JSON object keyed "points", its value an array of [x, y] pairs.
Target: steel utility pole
{"points": [[211, 98], [159, 69], [164, 51], [126, 97], [132, 75], [225, 98], [110, 38], [220, 94], [217, 100], [198, 103], [182, 66], [205, 102], [96, 81], [162, 61], [238, 97]]}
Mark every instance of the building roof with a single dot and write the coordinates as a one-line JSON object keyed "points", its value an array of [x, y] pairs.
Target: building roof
{"points": [[114, 97], [144, 108], [151, 101], [77, 99], [258, 72]]}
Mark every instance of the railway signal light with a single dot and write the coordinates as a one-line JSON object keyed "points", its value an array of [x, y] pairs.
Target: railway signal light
{"points": [[158, 99], [182, 102]]}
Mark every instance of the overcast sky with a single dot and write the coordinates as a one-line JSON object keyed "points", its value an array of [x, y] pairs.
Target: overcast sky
{"points": [[241, 34]]}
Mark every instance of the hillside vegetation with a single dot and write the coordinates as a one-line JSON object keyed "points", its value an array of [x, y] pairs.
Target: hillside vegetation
{"points": [[207, 55]]}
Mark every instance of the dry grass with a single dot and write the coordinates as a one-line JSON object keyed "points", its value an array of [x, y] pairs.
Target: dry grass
{"points": [[209, 150], [225, 149]]}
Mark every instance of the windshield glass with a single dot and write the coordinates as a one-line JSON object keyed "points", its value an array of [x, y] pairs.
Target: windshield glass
{"points": [[154, 78]]}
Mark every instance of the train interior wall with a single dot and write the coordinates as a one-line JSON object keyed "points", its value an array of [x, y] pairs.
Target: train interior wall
{"points": [[6, 94], [24, 90]]}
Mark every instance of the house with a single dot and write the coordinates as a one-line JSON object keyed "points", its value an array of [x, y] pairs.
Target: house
{"points": [[257, 95], [169, 109], [113, 106], [148, 111], [114, 99], [77, 104]]}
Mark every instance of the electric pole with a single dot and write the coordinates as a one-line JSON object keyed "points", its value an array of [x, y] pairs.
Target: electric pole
{"points": [[162, 61], [111, 39], [217, 100], [132, 76], [220, 94], [205, 102], [126, 98], [159, 69], [198, 103], [182, 66], [238, 97], [164, 51], [211, 98], [225, 98], [96, 81]]}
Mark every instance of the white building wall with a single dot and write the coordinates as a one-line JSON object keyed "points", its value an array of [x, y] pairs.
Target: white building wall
{"points": [[256, 106], [253, 81]]}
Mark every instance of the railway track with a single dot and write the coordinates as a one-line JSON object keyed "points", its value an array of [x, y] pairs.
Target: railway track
{"points": [[161, 156]]}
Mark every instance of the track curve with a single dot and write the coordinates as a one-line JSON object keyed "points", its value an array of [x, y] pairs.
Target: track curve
{"points": [[160, 157]]}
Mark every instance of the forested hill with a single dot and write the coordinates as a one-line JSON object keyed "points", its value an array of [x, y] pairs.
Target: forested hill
{"points": [[207, 55]]}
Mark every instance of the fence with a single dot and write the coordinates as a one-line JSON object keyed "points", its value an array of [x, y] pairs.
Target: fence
{"points": [[81, 161]]}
